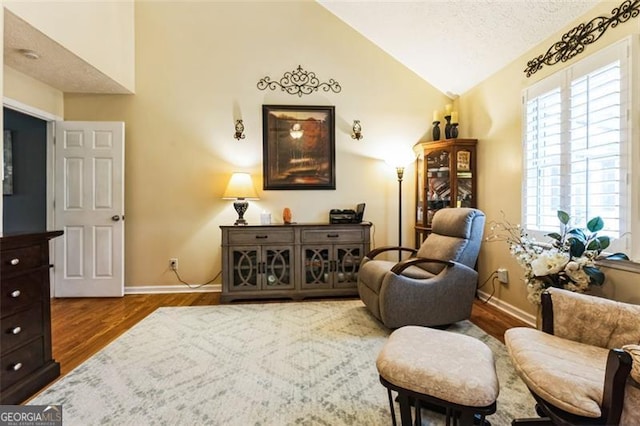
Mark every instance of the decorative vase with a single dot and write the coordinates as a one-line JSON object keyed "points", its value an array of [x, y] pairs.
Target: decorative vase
{"points": [[447, 127], [454, 130], [436, 131], [286, 215]]}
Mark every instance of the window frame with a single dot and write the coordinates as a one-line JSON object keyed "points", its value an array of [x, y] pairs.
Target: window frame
{"points": [[626, 49]]}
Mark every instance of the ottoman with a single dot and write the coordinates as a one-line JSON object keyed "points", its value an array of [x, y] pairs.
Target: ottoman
{"points": [[435, 367]]}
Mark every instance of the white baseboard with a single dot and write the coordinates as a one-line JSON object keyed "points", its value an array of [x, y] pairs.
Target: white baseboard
{"points": [[161, 289], [509, 309]]}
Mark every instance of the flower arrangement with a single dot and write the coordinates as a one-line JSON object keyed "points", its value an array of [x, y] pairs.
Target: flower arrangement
{"points": [[568, 261]]}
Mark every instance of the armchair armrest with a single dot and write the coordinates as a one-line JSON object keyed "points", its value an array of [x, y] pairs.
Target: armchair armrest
{"points": [[373, 253], [402, 265], [616, 373]]}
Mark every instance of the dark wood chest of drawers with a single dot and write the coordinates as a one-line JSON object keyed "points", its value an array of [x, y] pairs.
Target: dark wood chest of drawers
{"points": [[26, 361]]}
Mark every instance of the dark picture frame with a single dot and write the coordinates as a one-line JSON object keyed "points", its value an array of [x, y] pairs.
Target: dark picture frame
{"points": [[299, 147]]}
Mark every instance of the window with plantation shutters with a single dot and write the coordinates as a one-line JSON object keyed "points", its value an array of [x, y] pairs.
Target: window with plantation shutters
{"points": [[576, 146]]}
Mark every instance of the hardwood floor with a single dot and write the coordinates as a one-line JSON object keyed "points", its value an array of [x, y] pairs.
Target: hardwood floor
{"points": [[81, 327]]}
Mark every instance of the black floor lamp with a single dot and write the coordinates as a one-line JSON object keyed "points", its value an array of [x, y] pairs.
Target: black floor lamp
{"points": [[400, 172], [399, 160]]}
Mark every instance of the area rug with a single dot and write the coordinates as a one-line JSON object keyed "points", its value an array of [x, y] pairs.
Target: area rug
{"points": [[304, 363]]}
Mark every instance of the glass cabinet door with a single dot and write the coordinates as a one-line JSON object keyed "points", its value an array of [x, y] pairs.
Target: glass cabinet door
{"points": [[244, 264], [347, 265], [420, 189], [277, 265], [317, 267], [438, 172], [261, 268], [331, 266], [464, 179]]}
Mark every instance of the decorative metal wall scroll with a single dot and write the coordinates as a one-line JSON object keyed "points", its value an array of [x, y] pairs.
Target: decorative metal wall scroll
{"points": [[299, 82], [575, 41]]}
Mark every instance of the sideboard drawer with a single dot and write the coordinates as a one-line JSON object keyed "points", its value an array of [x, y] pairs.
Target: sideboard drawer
{"points": [[331, 236], [20, 258], [19, 363], [261, 236], [21, 327]]}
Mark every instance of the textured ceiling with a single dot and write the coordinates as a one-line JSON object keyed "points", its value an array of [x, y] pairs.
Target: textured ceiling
{"points": [[57, 66], [456, 44], [452, 44]]}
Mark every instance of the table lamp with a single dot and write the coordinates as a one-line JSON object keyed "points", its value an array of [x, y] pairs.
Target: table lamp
{"points": [[240, 188]]}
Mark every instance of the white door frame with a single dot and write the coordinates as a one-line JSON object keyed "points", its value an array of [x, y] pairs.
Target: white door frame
{"points": [[50, 119]]}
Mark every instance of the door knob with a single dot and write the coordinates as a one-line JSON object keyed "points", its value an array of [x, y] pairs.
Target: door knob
{"points": [[115, 218]]}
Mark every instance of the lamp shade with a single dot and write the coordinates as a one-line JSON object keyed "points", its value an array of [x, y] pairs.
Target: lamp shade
{"points": [[400, 158], [240, 186]]}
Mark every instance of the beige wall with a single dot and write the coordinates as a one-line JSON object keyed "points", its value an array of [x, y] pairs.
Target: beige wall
{"points": [[495, 111], [197, 65], [24, 89], [100, 32]]}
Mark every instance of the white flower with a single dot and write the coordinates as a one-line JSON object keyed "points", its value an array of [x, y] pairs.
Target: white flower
{"points": [[572, 266], [579, 277], [552, 264], [549, 263]]}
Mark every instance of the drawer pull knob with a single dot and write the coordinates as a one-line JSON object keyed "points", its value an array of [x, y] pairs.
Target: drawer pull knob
{"points": [[333, 235], [262, 237], [15, 261], [16, 330], [15, 293], [17, 366]]}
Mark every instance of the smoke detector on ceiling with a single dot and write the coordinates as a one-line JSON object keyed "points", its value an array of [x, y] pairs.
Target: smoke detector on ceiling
{"points": [[30, 54]]}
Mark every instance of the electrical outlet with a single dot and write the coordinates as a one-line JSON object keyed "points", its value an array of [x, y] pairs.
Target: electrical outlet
{"points": [[173, 263], [503, 275]]}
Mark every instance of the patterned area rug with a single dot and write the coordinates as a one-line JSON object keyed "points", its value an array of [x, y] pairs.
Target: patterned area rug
{"points": [[307, 363]]}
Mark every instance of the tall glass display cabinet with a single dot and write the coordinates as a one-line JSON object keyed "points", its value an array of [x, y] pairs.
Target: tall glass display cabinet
{"points": [[445, 177]]}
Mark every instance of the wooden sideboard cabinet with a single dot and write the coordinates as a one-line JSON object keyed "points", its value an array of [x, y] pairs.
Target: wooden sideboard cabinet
{"points": [[292, 261], [26, 360]]}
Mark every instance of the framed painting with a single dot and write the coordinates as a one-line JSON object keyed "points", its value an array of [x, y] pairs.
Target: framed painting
{"points": [[7, 181], [298, 147]]}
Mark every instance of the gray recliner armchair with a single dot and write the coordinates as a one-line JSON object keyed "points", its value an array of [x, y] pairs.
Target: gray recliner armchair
{"points": [[436, 285]]}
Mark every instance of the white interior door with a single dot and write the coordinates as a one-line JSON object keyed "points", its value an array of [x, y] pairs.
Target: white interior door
{"points": [[89, 208]]}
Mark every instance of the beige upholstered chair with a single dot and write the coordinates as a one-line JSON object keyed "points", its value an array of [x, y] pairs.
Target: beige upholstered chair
{"points": [[437, 284], [575, 368]]}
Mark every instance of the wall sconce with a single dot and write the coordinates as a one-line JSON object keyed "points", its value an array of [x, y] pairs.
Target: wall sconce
{"points": [[239, 134], [357, 130], [240, 188]]}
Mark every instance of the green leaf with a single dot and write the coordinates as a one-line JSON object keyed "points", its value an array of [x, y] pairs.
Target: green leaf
{"points": [[604, 242], [564, 217], [596, 276], [595, 224], [577, 248], [579, 233], [594, 245], [617, 256], [555, 236]]}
